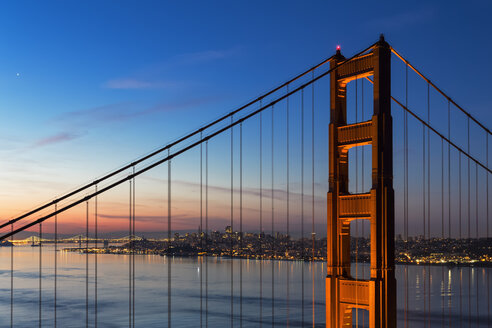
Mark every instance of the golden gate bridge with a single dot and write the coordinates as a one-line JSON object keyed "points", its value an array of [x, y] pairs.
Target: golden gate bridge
{"points": [[441, 187]]}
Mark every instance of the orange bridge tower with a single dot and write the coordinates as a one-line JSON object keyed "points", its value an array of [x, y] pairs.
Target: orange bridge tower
{"points": [[344, 292]]}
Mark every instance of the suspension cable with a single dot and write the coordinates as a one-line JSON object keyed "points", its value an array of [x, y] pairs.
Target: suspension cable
{"points": [[232, 223], [87, 264], [476, 237], [273, 225], [302, 203], [469, 222], [424, 218], [449, 171], [130, 247], [180, 140], [261, 218], [133, 250], [40, 272], [95, 258], [442, 228], [428, 202], [362, 178], [192, 145], [439, 90], [405, 194], [206, 234], [313, 235], [56, 271], [459, 189], [12, 281], [241, 224], [169, 312], [356, 221], [438, 133], [288, 204], [201, 231]]}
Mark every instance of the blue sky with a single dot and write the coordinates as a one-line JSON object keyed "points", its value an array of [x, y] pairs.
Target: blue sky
{"points": [[88, 86]]}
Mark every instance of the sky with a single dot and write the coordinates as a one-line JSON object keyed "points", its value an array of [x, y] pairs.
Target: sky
{"points": [[88, 86]]}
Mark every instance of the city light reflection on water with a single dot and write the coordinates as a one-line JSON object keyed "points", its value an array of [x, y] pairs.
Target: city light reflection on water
{"points": [[151, 291]]}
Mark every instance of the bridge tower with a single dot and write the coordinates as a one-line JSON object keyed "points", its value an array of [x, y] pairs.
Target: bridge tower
{"points": [[344, 292]]}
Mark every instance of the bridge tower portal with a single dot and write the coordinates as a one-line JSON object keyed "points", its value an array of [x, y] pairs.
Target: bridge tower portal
{"points": [[344, 292]]}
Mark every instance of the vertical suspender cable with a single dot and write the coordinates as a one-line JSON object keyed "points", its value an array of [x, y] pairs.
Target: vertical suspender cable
{"points": [[428, 171], [487, 202], [356, 221], [449, 170], [201, 231], [87, 264], [461, 270], [424, 218], [133, 250], [442, 188], [461, 303], [40, 272], [261, 217], [302, 206], [169, 241], [449, 195], [288, 207], [428, 200], [95, 258], [129, 255], [476, 200], [241, 224], [405, 192], [273, 228], [487, 181], [56, 270], [423, 184], [442, 230], [312, 200], [469, 222], [206, 233], [362, 181], [232, 223], [459, 191], [468, 189], [12, 279], [476, 238]]}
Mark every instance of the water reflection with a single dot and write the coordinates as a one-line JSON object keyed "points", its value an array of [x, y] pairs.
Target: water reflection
{"points": [[435, 294]]}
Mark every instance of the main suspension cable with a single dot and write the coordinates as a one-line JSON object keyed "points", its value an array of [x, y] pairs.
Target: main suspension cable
{"points": [[439, 90], [180, 140], [423, 122], [186, 148]]}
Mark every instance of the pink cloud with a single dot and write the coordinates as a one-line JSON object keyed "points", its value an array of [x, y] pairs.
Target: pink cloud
{"points": [[130, 83], [60, 137]]}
